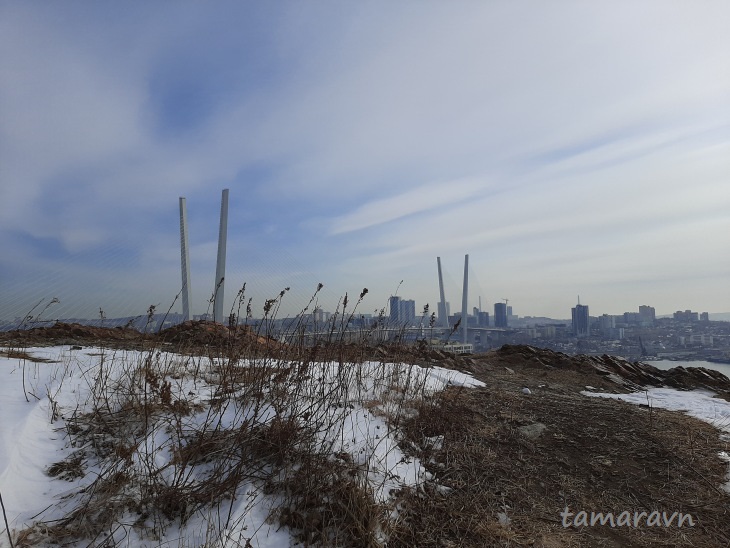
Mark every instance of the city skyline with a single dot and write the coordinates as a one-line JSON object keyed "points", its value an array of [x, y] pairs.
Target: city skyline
{"points": [[569, 149], [399, 311]]}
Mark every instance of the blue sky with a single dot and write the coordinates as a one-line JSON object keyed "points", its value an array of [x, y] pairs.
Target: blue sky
{"points": [[571, 148]]}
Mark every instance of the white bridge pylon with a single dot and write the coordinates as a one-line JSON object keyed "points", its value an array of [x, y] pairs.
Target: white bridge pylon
{"points": [[442, 311]]}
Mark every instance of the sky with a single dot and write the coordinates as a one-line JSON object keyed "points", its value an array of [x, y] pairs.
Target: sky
{"points": [[570, 148]]}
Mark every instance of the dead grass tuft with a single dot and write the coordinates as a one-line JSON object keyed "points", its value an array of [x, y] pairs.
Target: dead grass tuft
{"points": [[23, 355], [69, 469]]}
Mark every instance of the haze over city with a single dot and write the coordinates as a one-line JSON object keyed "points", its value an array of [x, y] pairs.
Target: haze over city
{"points": [[569, 148]]}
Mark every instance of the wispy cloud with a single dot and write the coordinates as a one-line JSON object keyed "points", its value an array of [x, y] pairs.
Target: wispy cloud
{"points": [[361, 142], [418, 200]]}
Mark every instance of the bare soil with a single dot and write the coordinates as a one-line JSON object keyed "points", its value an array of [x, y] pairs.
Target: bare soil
{"points": [[594, 454]]}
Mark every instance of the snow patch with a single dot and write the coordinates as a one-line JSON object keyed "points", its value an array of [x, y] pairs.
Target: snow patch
{"points": [[33, 434]]}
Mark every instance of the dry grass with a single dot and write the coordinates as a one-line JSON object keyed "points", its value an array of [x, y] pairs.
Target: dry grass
{"points": [[23, 355], [596, 455], [260, 423], [257, 421]]}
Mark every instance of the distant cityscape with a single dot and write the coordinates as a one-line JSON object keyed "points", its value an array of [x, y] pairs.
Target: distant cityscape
{"points": [[686, 335], [636, 335]]}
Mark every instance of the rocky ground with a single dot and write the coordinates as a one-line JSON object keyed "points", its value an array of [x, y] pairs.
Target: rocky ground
{"points": [[510, 461]]}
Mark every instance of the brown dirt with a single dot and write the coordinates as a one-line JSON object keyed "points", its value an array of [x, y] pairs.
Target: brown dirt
{"points": [[595, 454], [71, 333], [191, 337]]}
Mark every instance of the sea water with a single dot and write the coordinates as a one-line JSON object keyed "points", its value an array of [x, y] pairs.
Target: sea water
{"points": [[723, 368]]}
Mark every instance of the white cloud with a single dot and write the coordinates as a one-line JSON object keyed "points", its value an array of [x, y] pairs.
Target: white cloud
{"points": [[539, 128], [424, 198]]}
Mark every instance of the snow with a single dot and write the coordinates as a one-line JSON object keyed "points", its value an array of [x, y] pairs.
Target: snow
{"points": [[33, 433], [700, 404], [697, 403]]}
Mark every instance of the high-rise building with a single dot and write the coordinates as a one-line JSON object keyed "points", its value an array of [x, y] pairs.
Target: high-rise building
{"points": [[607, 321], [320, 316], [632, 318], [581, 321], [648, 314], [407, 312], [394, 309], [500, 315], [607, 325], [686, 316]]}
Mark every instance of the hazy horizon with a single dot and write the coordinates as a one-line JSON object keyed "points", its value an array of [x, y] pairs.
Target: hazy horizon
{"points": [[569, 148]]}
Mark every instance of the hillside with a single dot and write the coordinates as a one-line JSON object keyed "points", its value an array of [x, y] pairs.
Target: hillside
{"points": [[204, 435]]}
